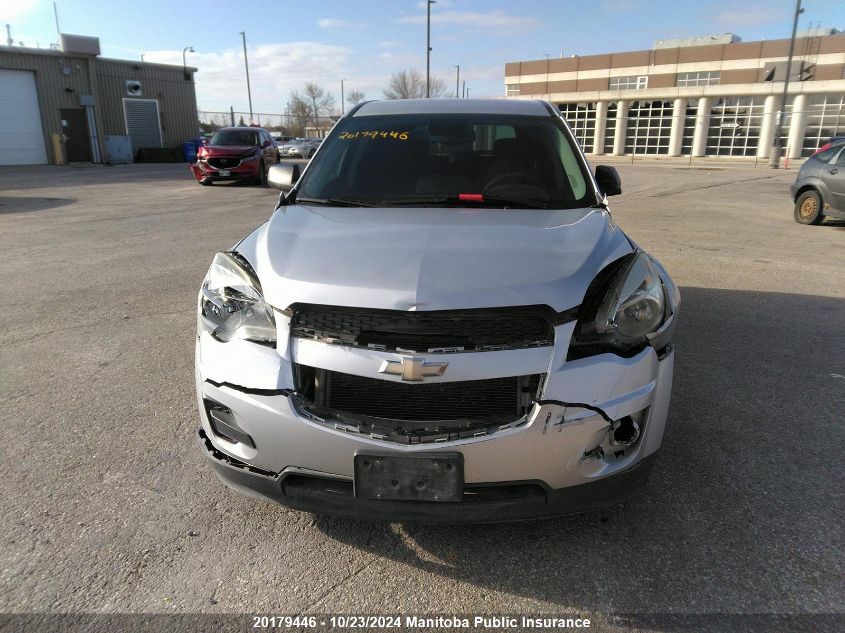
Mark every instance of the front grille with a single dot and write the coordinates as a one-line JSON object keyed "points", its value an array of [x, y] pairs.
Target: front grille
{"points": [[223, 162], [419, 412], [433, 331]]}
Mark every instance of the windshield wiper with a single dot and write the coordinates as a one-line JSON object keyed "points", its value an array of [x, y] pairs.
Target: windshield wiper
{"points": [[464, 199], [336, 202]]}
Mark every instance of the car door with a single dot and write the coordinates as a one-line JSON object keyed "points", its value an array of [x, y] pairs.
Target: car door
{"points": [[834, 178]]}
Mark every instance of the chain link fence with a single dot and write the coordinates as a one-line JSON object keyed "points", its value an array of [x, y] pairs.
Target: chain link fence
{"points": [[277, 124]]}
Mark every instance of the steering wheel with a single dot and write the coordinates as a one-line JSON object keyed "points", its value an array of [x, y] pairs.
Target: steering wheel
{"points": [[517, 178]]}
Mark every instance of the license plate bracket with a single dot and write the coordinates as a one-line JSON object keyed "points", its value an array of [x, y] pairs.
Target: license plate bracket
{"points": [[435, 477]]}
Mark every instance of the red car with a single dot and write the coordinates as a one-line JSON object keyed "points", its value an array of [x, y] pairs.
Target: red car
{"points": [[236, 153]]}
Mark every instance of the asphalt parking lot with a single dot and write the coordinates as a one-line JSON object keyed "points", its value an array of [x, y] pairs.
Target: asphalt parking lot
{"points": [[107, 506]]}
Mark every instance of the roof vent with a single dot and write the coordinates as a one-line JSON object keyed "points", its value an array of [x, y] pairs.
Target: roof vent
{"points": [[80, 44]]}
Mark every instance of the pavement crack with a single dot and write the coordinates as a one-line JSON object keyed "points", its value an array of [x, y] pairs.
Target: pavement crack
{"points": [[343, 580], [718, 184]]}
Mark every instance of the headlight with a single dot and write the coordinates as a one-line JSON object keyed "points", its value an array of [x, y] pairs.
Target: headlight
{"points": [[625, 304], [231, 305], [250, 159]]}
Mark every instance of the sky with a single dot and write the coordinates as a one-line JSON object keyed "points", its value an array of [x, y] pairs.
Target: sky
{"points": [[291, 42]]}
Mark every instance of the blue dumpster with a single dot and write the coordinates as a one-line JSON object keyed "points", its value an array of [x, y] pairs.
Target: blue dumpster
{"points": [[189, 151]]}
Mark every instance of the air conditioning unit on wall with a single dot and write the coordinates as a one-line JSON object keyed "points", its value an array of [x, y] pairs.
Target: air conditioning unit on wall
{"points": [[133, 88]]}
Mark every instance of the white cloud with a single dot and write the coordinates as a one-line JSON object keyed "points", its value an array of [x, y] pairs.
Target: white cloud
{"points": [[14, 9], [335, 23], [493, 21], [274, 71]]}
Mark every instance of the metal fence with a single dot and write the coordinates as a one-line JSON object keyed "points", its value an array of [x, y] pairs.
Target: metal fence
{"points": [[276, 124]]}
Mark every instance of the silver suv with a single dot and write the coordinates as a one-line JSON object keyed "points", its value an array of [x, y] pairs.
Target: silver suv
{"points": [[439, 322]]}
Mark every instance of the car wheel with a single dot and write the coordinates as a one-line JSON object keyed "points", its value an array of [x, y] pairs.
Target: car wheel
{"points": [[808, 208], [262, 175], [206, 182]]}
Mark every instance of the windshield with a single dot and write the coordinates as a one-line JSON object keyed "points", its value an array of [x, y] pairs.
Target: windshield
{"points": [[235, 137], [446, 159]]}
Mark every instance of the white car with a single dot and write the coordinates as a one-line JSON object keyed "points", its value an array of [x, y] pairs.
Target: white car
{"points": [[439, 322]]}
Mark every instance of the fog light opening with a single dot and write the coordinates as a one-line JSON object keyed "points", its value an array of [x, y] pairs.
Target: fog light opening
{"points": [[223, 425], [624, 432]]}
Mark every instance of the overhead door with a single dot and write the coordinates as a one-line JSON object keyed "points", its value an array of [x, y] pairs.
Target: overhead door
{"points": [[21, 136], [142, 123]]}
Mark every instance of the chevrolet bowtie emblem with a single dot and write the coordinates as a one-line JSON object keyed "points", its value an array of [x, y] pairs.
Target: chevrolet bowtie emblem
{"points": [[412, 369]]}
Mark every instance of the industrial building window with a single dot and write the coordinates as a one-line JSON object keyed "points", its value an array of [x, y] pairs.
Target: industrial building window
{"points": [[735, 126], [825, 118], [701, 78], [142, 123], [649, 127], [512, 90], [610, 129], [633, 82], [689, 126], [582, 119]]}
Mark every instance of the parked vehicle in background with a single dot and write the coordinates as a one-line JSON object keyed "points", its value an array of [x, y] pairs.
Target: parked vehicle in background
{"points": [[300, 148], [236, 153], [439, 322], [819, 188]]}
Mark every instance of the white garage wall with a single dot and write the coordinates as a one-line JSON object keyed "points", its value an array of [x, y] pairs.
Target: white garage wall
{"points": [[21, 136]]}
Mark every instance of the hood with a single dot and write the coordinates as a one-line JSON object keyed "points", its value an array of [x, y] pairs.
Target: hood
{"points": [[229, 150], [431, 258]]}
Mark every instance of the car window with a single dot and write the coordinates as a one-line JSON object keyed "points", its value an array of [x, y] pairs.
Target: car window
{"points": [[235, 137], [519, 158], [840, 162]]}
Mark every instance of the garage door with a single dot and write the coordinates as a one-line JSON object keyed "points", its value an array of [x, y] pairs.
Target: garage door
{"points": [[142, 123], [21, 136]]}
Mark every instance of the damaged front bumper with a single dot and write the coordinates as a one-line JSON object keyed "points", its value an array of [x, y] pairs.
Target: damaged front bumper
{"points": [[562, 458]]}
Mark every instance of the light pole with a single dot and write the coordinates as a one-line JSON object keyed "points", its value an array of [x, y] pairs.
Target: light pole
{"points": [[246, 65], [458, 82], [342, 107], [428, 48], [187, 49], [464, 93], [774, 158]]}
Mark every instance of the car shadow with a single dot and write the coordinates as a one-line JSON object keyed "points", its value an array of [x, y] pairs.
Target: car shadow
{"points": [[24, 204], [736, 516]]}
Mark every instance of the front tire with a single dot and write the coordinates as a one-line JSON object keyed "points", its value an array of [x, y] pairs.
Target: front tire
{"points": [[808, 208], [261, 180], [206, 182]]}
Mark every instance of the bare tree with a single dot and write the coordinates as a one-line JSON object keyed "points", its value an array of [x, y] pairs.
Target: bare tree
{"points": [[311, 106], [354, 97], [410, 84]]}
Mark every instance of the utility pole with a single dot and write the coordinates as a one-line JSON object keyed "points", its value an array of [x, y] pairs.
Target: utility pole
{"points": [[464, 92], [342, 106], [56, 13], [458, 82], [246, 65], [774, 157], [428, 48]]}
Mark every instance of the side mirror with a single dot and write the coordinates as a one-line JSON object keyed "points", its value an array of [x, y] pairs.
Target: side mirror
{"points": [[608, 180], [267, 144], [283, 177]]}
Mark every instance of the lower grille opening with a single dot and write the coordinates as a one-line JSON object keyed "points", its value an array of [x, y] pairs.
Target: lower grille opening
{"points": [[296, 485], [416, 413]]}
